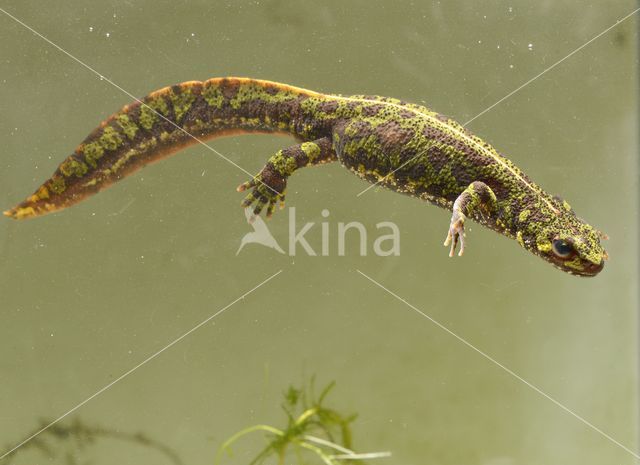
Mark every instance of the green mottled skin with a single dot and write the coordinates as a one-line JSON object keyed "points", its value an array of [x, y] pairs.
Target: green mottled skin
{"points": [[404, 147]]}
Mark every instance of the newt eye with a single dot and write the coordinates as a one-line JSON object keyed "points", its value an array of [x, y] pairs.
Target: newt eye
{"points": [[562, 248]]}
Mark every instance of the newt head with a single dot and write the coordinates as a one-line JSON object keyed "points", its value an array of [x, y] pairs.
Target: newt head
{"points": [[569, 243], [550, 229], [579, 254]]}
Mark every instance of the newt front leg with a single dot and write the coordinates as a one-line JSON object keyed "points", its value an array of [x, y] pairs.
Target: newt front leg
{"points": [[477, 197], [270, 183]]}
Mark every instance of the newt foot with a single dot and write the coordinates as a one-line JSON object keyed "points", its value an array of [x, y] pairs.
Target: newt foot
{"points": [[268, 189], [456, 233]]}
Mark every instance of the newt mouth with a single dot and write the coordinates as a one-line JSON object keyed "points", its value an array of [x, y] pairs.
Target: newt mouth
{"points": [[594, 268], [589, 269]]}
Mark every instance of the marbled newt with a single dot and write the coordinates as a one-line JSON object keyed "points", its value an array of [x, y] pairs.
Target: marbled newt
{"points": [[404, 147]]}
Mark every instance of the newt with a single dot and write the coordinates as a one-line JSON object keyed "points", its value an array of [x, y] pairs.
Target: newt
{"points": [[407, 148]]}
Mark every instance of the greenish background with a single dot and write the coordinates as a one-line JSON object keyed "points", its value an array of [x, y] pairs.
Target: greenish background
{"points": [[88, 293]]}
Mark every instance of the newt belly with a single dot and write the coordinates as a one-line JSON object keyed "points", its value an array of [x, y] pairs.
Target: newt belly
{"points": [[404, 147]]}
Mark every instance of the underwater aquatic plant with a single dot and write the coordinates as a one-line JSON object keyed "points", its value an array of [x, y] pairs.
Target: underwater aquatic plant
{"points": [[310, 426], [65, 441]]}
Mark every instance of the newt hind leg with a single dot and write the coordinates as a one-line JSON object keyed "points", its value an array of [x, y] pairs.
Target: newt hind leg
{"points": [[269, 185]]}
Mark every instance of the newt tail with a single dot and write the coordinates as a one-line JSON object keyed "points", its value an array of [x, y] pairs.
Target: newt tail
{"points": [[404, 147], [161, 124]]}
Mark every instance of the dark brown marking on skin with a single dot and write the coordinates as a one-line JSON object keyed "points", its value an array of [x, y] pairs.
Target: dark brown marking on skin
{"points": [[199, 110], [373, 109], [411, 172], [437, 158], [436, 134], [499, 188], [463, 177], [229, 88], [361, 128], [328, 106], [392, 135], [353, 105]]}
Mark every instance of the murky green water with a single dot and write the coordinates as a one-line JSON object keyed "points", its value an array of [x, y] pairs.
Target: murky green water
{"points": [[91, 292]]}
